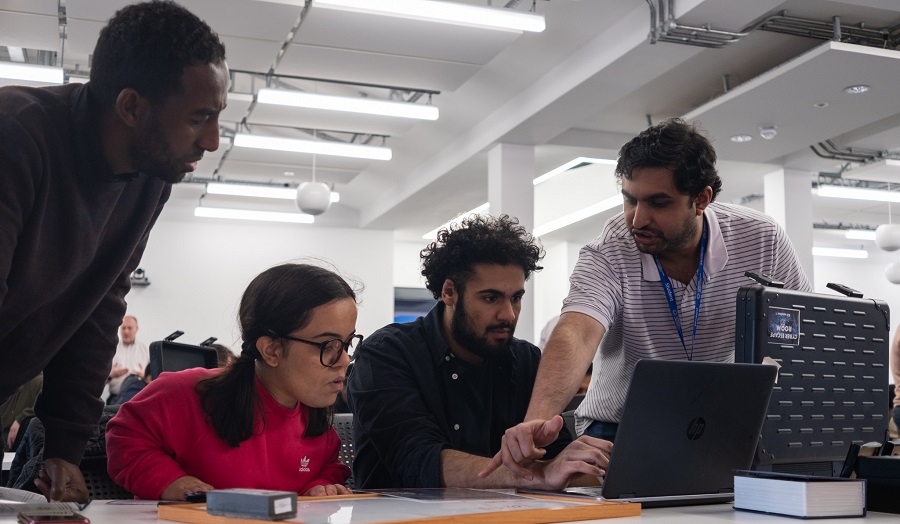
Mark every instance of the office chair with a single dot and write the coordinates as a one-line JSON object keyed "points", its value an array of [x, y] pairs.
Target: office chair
{"points": [[343, 424], [99, 485]]}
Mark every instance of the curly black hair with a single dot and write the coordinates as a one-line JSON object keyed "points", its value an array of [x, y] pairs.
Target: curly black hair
{"points": [[479, 239], [676, 145], [146, 47]]}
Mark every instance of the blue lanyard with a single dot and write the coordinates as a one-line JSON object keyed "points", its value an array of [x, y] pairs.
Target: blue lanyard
{"points": [[670, 295]]}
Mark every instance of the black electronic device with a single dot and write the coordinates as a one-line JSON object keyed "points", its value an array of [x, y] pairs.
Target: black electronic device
{"points": [[27, 517], [195, 496], [208, 341], [832, 381], [173, 356]]}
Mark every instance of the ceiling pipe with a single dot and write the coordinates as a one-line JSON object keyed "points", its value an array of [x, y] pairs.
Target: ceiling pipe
{"points": [[664, 28]]}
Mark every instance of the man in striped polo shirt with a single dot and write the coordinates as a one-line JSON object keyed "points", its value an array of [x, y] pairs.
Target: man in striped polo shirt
{"points": [[659, 282]]}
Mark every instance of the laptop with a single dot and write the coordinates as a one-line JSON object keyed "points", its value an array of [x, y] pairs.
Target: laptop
{"points": [[166, 355], [686, 427]]}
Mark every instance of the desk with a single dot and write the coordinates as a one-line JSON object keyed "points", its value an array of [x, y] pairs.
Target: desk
{"points": [[101, 512]]}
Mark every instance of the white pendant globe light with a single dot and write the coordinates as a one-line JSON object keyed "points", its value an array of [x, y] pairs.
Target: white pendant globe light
{"points": [[887, 237], [892, 272], [313, 198]]}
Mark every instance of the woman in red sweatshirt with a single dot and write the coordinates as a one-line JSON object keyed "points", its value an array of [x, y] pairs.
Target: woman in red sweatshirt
{"points": [[265, 421]]}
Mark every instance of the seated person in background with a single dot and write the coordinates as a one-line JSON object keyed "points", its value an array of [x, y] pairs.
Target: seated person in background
{"points": [[18, 408], [265, 421], [224, 356], [132, 356], [432, 398]]}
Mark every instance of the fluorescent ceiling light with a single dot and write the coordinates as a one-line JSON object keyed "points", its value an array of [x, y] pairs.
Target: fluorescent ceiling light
{"points": [[246, 214], [480, 209], [442, 12], [883, 170], [860, 234], [577, 216], [349, 104], [839, 252], [858, 193], [16, 54], [569, 165], [315, 147], [31, 73], [284, 193]]}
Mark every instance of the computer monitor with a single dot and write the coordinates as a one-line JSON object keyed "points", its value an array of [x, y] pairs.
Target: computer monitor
{"points": [[173, 356], [833, 377]]}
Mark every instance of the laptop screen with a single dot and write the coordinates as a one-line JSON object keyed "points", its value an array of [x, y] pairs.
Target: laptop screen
{"points": [[173, 356]]}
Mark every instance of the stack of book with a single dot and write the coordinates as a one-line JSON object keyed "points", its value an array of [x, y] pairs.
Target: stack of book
{"points": [[799, 495]]}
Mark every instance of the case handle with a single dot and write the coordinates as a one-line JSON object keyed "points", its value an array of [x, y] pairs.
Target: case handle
{"points": [[764, 279], [844, 290]]}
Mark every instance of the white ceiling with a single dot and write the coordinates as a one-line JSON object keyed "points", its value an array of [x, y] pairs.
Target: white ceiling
{"points": [[583, 87]]}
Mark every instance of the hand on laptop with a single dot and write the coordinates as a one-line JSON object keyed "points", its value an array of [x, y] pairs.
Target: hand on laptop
{"points": [[587, 455], [522, 444]]}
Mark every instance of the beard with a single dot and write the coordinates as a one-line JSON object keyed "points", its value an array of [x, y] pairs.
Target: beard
{"points": [[151, 153], [465, 333], [679, 238]]}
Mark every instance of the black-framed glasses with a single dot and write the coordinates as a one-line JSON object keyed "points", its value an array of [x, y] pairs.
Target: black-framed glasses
{"points": [[330, 351]]}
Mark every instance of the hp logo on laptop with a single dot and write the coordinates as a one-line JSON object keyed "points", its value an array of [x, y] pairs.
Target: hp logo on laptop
{"points": [[696, 428]]}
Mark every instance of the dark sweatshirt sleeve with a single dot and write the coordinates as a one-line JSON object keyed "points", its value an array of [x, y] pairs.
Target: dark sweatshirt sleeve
{"points": [[70, 404], [388, 408], [18, 152]]}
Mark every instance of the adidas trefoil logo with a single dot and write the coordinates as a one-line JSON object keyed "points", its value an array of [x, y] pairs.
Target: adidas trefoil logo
{"points": [[304, 464]]}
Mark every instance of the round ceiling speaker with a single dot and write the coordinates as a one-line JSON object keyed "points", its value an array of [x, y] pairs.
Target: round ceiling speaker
{"points": [[892, 272], [887, 237], [313, 198]]}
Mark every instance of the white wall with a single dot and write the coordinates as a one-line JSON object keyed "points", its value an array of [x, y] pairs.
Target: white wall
{"points": [[407, 264], [866, 275], [199, 267], [551, 285]]}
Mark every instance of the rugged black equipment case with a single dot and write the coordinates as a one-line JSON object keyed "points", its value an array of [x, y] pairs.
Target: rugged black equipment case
{"points": [[832, 385]]}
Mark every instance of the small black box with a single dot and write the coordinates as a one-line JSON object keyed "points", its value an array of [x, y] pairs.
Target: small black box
{"points": [[882, 475]]}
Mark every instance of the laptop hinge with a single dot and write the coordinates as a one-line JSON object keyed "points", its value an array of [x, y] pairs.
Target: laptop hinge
{"points": [[625, 496], [727, 490]]}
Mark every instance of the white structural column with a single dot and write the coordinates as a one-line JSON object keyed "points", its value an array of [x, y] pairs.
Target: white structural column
{"points": [[511, 192], [551, 286], [789, 201]]}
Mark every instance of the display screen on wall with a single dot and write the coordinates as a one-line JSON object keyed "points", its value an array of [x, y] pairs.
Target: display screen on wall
{"points": [[411, 303]]}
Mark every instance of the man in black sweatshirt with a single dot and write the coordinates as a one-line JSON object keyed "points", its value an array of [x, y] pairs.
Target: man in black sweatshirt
{"points": [[84, 173]]}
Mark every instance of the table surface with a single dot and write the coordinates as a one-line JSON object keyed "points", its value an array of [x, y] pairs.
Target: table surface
{"points": [[103, 512]]}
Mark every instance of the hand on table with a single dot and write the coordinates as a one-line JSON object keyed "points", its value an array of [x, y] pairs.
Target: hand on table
{"points": [[61, 481], [328, 489], [182, 486]]}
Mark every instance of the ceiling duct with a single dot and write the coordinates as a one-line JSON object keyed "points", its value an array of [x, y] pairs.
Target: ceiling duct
{"points": [[827, 149], [664, 28]]}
